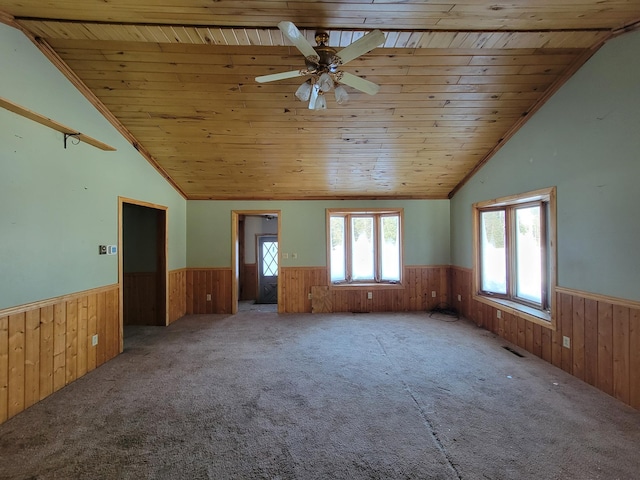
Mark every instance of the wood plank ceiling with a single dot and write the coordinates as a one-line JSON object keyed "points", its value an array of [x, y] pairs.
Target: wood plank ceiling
{"points": [[457, 79]]}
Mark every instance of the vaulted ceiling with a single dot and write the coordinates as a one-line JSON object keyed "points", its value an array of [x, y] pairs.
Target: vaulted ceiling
{"points": [[457, 79]]}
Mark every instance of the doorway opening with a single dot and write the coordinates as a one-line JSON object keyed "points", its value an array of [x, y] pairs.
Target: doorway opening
{"points": [[143, 263], [256, 260]]}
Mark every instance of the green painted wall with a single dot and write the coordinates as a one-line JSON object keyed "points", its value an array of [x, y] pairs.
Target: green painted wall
{"points": [[57, 205], [303, 230], [586, 141]]}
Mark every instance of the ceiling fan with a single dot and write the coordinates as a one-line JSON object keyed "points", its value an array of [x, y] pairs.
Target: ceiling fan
{"points": [[323, 66]]}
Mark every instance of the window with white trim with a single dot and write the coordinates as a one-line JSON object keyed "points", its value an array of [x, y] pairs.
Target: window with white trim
{"points": [[364, 246], [515, 249]]}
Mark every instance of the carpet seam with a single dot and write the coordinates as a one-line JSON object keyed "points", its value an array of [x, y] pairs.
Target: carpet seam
{"points": [[422, 413]]}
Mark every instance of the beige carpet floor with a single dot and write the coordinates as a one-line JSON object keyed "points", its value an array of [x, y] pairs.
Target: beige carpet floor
{"points": [[343, 396]]}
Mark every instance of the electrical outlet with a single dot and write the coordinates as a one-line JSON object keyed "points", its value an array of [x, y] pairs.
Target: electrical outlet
{"points": [[433, 293], [498, 313], [94, 340], [566, 342], [369, 295], [309, 296], [294, 255], [459, 297], [208, 297]]}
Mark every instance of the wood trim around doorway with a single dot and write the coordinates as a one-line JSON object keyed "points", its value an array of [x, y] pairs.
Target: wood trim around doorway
{"points": [[164, 233], [235, 267]]}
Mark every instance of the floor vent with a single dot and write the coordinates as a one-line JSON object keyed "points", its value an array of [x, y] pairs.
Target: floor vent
{"points": [[518, 354]]}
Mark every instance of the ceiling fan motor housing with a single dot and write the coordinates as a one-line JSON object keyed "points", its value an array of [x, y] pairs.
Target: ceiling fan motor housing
{"points": [[328, 60]]}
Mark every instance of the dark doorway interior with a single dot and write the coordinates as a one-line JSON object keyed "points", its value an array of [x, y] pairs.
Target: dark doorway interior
{"points": [[144, 265]]}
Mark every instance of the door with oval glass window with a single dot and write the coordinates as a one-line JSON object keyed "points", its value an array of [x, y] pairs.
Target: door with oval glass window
{"points": [[267, 269]]}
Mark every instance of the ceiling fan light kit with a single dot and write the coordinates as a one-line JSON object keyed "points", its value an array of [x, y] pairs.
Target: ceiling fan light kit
{"points": [[325, 83], [323, 63], [341, 94], [303, 93], [321, 101]]}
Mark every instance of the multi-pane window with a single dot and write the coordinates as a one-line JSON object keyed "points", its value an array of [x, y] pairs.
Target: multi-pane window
{"points": [[515, 253], [270, 259], [364, 246]]}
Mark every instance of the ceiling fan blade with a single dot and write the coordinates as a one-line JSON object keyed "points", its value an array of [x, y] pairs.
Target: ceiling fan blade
{"points": [[293, 34], [361, 46], [281, 76], [359, 83]]}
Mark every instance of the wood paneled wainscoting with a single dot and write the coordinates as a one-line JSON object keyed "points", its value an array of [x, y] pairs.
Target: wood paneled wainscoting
{"points": [[140, 294], [604, 335], [208, 290], [249, 282], [296, 283], [143, 286], [415, 293], [48, 344], [199, 290]]}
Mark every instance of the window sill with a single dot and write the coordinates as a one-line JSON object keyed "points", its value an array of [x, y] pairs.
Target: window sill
{"points": [[531, 314], [365, 286]]}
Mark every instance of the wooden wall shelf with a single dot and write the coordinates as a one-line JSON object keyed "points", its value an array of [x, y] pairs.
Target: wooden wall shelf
{"points": [[47, 122]]}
